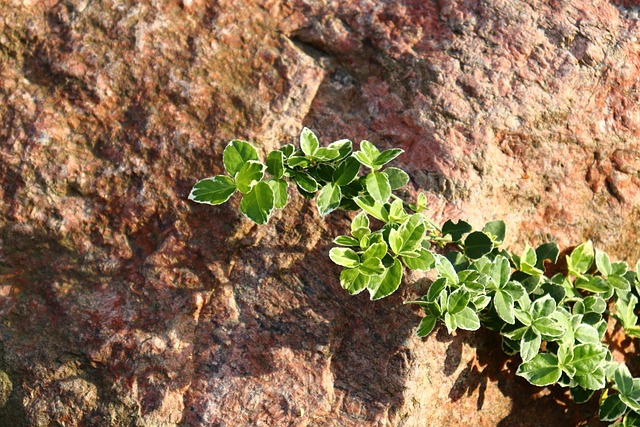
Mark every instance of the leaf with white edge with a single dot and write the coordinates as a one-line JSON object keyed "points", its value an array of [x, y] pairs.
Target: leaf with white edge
{"points": [[515, 289], [620, 268], [446, 270], [631, 401], [395, 241], [497, 230], [543, 307], [397, 213], [548, 328], [619, 282], [386, 283], [371, 267], [542, 370], [378, 187], [360, 225], [500, 271], [258, 203], [236, 154], [370, 150], [353, 280], [306, 182], [623, 379], [329, 199], [477, 245], [603, 263], [424, 262], [287, 150], [612, 408], [298, 161], [587, 357], [308, 142], [587, 334], [386, 156], [592, 284], [581, 259], [456, 230], [249, 175], [530, 344], [580, 395], [625, 311], [280, 195], [397, 177], [213, 191], [375, 250], [275, 164], [344, 257], [546, 251], [458, 300], [325, 154], [594, 304], [346, 241], [503, 303], [372, 207], [412, 232], [346, 171], [436, 289], [427, 324], [343, 146], [593, 381], [467, 319]]}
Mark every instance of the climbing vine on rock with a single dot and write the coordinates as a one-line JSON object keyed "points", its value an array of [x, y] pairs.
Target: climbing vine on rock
{"points": [[555, 322]]}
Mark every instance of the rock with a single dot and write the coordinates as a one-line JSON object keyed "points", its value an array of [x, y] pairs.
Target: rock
{"points": [[124, 304]]}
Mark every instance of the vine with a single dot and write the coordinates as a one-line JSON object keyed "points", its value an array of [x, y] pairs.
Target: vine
{"points": [[556, 323]]}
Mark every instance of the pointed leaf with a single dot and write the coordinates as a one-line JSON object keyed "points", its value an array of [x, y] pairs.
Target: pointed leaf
{"points": [[343, 146], [503, 303], [386, 283], [346, 171], [446, 270], [344, 257], [581, 258], [306, 182], [623, 379], [412, 232], [236, 154], [612, 408], [372, 207], [427, 324], [603, 263], [378, 187], [386, 156], [346, 241], [308, 142], [213, 191], [329, 199], [458, 300], [258, 203]]}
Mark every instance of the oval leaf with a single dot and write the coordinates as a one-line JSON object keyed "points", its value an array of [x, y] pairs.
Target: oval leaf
{"points": [[542, 370], [346, 171], [345, 257], [477, 244], [213, 191], [397, 177], [258, 203], [308, 142], [249, 175], [275, 164], [236, 154], [378, 187], [329, 199], [386, 283]]}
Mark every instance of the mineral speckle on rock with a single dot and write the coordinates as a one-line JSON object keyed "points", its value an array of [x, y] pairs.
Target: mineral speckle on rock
{"points": [[124, 304]]}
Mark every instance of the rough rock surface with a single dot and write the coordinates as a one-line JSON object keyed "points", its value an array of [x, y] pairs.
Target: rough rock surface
{"points": [[123, 304]]}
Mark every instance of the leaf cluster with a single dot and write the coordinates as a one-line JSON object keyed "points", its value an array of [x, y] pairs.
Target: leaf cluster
{"points": [[556, 323]]}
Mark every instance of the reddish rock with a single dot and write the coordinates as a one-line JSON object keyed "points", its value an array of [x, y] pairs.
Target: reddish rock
{"points": [[124, 304]]}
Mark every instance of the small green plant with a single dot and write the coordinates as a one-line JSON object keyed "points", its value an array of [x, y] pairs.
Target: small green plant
{"points": [[556, 323]]}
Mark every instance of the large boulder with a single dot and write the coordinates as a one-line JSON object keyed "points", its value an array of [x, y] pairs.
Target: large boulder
{"points": [[124, 304]]}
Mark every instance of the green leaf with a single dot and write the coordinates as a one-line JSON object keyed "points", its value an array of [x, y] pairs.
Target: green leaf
{"points": [[386, 156], [397, 177], [213, 191], [580, 395], [353, 281], [343, 146], [236, 154], [548, 251], [249, 175], [499, 271], [280, 195], [603, 263], [592, 284], [275, 164], [436, 289], [386, 283], [625, 311], [346, 241], [623, 379], [458, 300], [467, 319], [592, 381], [346, 171], [412, 232], [612, 408], [306, 182], [378, 187], [287, 150], [345, 257], [543, 307], [424, 262], [631, 419], [395, 241], [360, 225], [619, 282], [372, 207], [325, 154], [298, 161], [548, 328], [587, 334], [580, 259], [375, 250], [369, 149], [530, 344], [446, 270], [397, 213], [497, 230], [456, 230], [542, 370], [258, 203], [587, 357], [427, 324], [503, 303], [477, 244], [371, 267], [308, 142], [329, 199]]}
